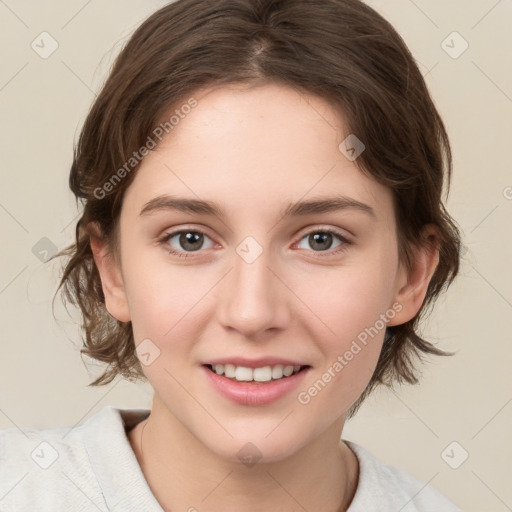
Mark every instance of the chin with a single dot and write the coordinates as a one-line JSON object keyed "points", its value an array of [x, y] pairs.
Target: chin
{"points": [[249, 450]]}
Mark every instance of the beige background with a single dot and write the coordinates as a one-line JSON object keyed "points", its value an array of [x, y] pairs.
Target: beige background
{"points": [[466, 398]]}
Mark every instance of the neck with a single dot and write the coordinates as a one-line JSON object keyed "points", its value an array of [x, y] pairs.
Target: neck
{"points": [[184, 474]]}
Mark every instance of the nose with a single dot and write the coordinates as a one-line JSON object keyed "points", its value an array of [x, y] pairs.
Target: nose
{"points": [[253, 298]]}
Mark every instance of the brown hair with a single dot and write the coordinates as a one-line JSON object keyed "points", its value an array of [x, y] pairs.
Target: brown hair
{"points": [[340, 50]]}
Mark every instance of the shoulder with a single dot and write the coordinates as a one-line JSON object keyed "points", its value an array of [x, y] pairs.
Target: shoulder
{"points": [[60, 467], [44, 468], [383, 487]]}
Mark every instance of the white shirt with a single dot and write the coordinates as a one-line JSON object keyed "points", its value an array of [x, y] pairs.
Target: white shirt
{"points": [[93, 468]]}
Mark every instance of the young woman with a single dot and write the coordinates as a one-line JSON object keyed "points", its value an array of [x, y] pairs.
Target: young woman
{"points": [[262, 229]]}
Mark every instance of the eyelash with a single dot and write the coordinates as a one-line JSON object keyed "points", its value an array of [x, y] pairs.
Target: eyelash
{"points": [[183, 254]]}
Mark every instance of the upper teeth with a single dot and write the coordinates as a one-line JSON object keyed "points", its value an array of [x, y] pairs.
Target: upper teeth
{"points": [[263, 374]]}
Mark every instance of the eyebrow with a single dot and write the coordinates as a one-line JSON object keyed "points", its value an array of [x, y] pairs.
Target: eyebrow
{"points": [[300, 208]]}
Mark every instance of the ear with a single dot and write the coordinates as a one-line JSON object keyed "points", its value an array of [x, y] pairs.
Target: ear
{"points": [[411, 287], [110, 274]]}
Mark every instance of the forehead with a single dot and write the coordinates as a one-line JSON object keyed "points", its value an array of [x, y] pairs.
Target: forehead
{"points": [[255, 148]]}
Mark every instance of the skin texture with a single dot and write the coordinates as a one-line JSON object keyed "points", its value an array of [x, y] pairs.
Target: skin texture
{"points": [[252, 151]]}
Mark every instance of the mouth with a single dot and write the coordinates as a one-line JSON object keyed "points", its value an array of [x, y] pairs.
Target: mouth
{"points": [[260, 375]]}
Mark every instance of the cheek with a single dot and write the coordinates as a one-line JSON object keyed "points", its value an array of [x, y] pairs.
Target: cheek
{"points": [[351, 308], [346, 302], [350, 339], [163, 298]]}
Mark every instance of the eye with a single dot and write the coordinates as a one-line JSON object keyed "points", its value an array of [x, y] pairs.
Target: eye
{"points": [[321, 240], [185, 241]]}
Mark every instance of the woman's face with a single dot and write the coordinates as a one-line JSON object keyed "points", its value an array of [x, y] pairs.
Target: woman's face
{"points": [[262, 281]]}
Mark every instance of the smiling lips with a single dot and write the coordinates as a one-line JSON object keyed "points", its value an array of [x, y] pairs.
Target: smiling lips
{"points": [[263, 369], [251, 392]]}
